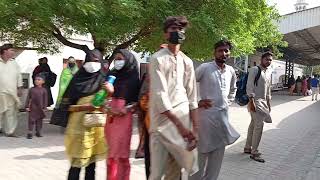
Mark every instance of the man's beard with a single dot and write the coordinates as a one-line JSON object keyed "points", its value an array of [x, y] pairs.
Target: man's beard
{"points": [[223, 60], [265, 65]]}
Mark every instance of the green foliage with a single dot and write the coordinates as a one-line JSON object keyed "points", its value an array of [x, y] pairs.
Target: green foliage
{"points": [[249, 24], [311, 70]]}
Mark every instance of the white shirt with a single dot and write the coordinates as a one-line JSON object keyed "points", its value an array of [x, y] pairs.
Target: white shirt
{"points": [[172, 82], [219, 86], [216, 84], [10, 80], [263, 88]]}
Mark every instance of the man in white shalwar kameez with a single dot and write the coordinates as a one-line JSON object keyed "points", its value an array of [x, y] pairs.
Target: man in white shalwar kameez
{"points": [[173, 107], [10, 84], [217, 82]]}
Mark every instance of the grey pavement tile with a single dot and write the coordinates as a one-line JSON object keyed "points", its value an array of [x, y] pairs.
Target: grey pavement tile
{"points": [[290, 146]]}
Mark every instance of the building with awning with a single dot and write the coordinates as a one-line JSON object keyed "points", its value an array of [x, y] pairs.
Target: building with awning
{"points": [[301, 30]]}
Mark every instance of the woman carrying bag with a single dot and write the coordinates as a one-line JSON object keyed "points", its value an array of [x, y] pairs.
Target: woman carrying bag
{"points": [[84, 145]]}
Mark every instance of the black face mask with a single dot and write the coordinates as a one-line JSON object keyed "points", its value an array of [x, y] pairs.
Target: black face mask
{"points": [[71, 65], [177, 37]]}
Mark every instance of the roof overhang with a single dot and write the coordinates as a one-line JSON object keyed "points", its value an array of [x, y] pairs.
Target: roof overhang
{"points": [[302, 32]]}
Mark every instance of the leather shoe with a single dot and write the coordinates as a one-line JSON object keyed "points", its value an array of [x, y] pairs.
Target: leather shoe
{"points": [[12, 135]]}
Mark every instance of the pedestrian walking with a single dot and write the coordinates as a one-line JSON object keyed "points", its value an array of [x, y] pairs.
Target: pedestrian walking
{"points": [[291, 84], [84, 145], [145, 118], [118, 129], [315, 87], [304, 86], [36, 104], [217, 82], [309, 82], [299, 85], [69, 70], [259, 92], [66, 75], [10, 90], [141, 123], [173, 106], [50, 77]]}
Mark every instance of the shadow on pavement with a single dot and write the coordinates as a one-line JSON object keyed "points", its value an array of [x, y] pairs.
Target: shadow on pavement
{"points": [[278, 100], [289, 149], [59, 155]]}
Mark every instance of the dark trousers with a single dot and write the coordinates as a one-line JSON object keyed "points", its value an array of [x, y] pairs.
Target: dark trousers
{"points": [[35, 122], [74, 172], [147, 153]]}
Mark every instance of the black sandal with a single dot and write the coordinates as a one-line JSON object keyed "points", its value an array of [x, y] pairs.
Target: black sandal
{"points": [[257, 158]]}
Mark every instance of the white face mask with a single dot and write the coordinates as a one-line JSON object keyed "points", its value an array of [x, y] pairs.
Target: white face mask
{"points": [[92, 67], [119, 64]]}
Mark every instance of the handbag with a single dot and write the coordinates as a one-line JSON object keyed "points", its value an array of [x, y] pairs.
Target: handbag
{"points": [[59, 117], [95, 119]]}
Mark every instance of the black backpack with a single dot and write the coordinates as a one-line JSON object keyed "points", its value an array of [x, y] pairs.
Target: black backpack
{"points": [[241, 95]]}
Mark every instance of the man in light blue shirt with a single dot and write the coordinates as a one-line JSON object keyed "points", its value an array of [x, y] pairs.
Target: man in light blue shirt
{"points": [[315, 87]]}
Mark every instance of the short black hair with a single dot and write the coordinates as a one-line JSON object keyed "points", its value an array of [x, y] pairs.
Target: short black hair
{"points": [[41, 75], [223, 42], [266, 54], [180, 21], [5, 47]]}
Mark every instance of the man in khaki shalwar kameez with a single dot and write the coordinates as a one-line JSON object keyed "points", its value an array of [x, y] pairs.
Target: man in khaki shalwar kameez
{"points": [[10, 82], [259, 92], [173, 107]]}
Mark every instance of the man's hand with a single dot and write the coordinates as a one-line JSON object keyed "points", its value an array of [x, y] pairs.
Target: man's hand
{"points": [[252, 105], [19, 92], [186, 133], [28, 109], [205, 103], [194, 142], [192, 145], [269, 105]]}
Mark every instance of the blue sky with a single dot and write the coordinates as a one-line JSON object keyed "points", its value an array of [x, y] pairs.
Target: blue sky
{"points": [[287, 6]]}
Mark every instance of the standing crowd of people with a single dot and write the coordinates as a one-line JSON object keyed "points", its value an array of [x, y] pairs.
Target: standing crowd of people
{"points": [[305, 86], [181, 130]]}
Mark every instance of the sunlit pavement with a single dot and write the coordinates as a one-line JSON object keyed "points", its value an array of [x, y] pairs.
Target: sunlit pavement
{"points": [[290, 146]]}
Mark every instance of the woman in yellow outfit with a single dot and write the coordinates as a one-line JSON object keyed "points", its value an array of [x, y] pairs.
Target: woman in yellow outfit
{"points": [[84, 146]]}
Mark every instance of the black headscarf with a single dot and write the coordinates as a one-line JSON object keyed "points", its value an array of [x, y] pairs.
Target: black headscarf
{"points": [[127, 83], [299, 79], [84, 83]]}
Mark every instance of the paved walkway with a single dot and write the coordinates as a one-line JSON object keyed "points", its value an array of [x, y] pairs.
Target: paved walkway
{"points": [[291, 148]]}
